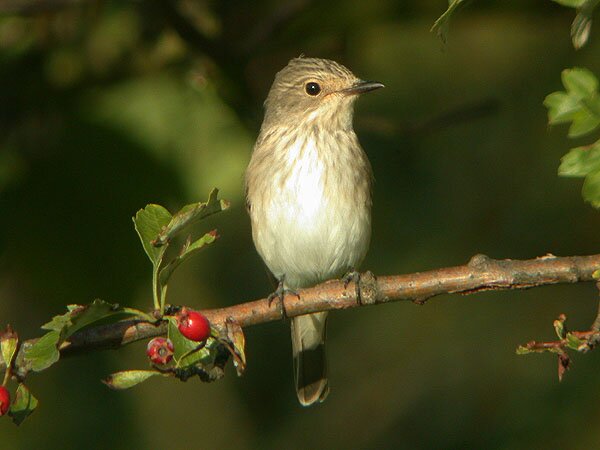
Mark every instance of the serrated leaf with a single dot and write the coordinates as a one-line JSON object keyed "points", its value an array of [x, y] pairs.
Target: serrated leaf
{"points": [[149, 222], [9, 341], [591, 189], [129, 378], [573, 341], [561, 107], [80, 316], [23, 404], [583, 123], [579, 81], [190, 214], [188, 250], [183, 346], [580, 161], [44, 352]]}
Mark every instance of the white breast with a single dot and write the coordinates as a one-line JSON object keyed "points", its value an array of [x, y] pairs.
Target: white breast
{"points": [[308, 226]]}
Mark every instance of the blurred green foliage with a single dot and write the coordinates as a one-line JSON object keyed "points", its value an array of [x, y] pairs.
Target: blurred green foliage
{"points": [[108, 106]]}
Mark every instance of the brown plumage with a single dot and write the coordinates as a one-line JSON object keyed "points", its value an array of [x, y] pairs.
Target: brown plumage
{"points": [[308, 189]]}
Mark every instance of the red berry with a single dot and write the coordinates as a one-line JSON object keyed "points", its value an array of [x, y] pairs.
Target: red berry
{"points": [[4, 400], [193, 325], [160, 350]]}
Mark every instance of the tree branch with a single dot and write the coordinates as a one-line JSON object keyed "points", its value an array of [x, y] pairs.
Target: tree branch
{"points": [[480, 274]]}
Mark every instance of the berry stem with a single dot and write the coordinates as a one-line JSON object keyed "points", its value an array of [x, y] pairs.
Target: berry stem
{"points": [[6, 376]]}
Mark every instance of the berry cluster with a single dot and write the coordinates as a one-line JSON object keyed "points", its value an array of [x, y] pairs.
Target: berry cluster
{"points": [[191, 324]]}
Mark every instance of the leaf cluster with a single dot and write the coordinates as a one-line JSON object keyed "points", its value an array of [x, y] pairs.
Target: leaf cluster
{"points": [[579, 106]]}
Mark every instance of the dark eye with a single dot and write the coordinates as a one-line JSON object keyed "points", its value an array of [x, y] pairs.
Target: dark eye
{"points": [[312, 88]]}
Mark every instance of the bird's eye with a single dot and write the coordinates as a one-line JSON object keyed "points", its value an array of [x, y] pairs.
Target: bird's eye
{"points": [[312, 88]]}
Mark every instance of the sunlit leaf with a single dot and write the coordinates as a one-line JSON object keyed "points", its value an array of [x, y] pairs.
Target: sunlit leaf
{"points": [[44, 352], [149, 222], [579, 81], [580, 161], [584, 122], [8, 345], [190, 214], [129, 378], [591, 189], [561, 107], [188, 250]]}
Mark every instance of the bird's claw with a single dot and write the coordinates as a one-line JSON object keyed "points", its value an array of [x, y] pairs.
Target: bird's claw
{"points": [[354, 276], [279, 294]]}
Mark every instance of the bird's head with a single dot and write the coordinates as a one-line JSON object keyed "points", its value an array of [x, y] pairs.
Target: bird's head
{"points": [[312, 90]]}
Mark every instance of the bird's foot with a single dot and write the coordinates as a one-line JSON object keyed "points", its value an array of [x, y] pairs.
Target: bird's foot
{"points": [[279, 294], [353, 276]]}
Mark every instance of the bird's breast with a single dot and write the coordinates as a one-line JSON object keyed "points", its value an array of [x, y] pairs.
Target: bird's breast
{"points": [[311, 209]]}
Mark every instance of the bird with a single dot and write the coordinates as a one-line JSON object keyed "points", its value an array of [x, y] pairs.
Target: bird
{"points": [[308, 193]]}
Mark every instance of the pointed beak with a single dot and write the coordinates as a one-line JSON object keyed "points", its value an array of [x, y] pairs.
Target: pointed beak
{"points": [[360, 87]]}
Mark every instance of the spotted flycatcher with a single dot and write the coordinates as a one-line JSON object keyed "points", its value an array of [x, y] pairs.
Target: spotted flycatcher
{"points": [[308, 188]]}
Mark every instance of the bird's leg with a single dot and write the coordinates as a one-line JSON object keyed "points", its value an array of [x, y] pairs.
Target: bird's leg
{"points": [[280, 294], [353, 275]]}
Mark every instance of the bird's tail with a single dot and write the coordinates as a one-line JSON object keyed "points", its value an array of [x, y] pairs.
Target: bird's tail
{"points": [[310, 365]]}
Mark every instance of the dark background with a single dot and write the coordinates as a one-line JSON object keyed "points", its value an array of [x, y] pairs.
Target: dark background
{"points": [[106, 106]]}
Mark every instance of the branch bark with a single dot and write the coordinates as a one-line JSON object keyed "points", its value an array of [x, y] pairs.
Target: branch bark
{"points": [[480, 274]]}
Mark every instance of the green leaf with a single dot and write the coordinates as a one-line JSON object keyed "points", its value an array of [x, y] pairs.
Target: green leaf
{"points": [[580, 81], [8, 345], [582, 25], [442, 24], [580, 161], [23, 405], [573, 341], [188, 250], [561, 107], [129, 378], [190, 214], [591, 189], [583, 123], [592, 104], [80, 316], [571, 3], [149, 222], [44, 352], [184, 355], [522, 350], [559, 327]]}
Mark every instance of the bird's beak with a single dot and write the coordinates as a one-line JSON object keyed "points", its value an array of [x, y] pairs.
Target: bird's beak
{"points": [[360, 87]]}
